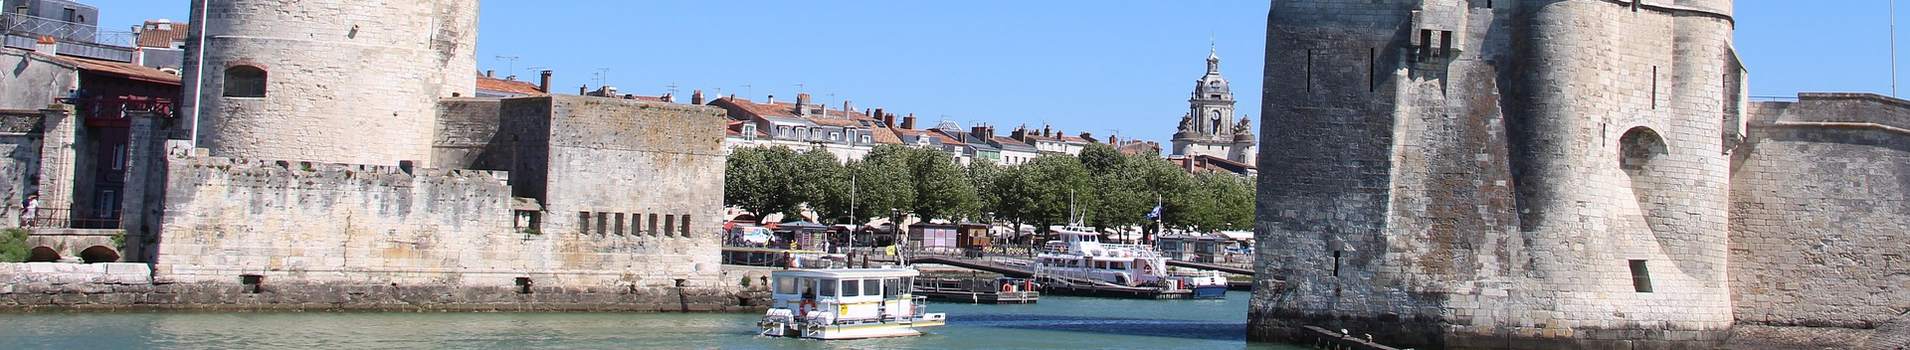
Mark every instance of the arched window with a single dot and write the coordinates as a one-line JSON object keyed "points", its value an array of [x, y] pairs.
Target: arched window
{"points": [[244, 81]]}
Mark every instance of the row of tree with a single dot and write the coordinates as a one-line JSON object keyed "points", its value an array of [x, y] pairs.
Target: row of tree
{"points": [[1101, 188]]}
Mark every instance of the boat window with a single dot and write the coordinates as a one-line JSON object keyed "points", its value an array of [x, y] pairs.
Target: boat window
{"points": [[786, 285], [906, 282], [1118, 265], [828, 288], [1101, 264], [889, 287], [851, 288], [872, 287]]}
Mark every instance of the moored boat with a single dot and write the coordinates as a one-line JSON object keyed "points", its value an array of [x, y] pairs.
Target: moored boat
{"points": [[834, 304]]}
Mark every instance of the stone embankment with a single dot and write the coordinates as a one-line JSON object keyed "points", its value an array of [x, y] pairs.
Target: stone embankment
{"points": [[131, 287]]}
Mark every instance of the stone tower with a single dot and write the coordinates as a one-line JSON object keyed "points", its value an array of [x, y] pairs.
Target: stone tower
{"points": [[332, 81], [1208, 128], [1498, 174]]}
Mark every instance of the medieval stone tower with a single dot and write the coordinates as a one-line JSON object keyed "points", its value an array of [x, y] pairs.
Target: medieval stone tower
{"points": [[1498, 174], [328, 80]]}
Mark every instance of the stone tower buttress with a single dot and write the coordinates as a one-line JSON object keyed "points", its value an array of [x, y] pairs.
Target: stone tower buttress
{"points": [[335, 81]]}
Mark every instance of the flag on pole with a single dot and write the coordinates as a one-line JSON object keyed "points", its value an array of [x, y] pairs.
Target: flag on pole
{"points": [[1155, 214]]}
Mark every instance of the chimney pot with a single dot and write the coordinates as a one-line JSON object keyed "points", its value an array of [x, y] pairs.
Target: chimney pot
{"points": [[696, 97], [583, 90], [772, 99], [543, 81], [802, 99], [909, 122], [492, 73]]}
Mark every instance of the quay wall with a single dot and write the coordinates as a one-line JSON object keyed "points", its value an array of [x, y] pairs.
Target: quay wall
{"points": [[131, 287]]}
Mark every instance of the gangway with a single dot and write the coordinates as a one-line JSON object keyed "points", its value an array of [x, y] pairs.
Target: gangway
{"points": [[1209, 267]]}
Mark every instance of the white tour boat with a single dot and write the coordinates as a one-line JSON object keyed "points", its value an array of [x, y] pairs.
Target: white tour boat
{"points": [[833, 304], [1080, 255]]}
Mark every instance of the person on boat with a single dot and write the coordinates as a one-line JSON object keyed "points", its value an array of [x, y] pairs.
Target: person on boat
{"points": [[808, 302]]}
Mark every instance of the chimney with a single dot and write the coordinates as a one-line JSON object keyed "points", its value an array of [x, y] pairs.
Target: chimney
{"points": [[909, 122], [47, 45], [772, 99], [490, 73], [1019, 134], [847, 108], [886, 121], [1089, 137], [583, 90], [543, 81], [1047, 131], [696, 97], [980, 131], [1114, 140], [802, 100], [512, 77], [669, 98]]}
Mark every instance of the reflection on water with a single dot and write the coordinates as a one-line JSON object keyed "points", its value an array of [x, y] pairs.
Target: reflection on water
{"points": [[1054, 323]]}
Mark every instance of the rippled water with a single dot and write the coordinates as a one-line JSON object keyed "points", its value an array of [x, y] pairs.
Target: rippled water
{"points": [[1055, 323]]}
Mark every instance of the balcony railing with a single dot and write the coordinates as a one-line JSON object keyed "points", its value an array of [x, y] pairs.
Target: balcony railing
{"points": [[20, 24], [117, 107]]}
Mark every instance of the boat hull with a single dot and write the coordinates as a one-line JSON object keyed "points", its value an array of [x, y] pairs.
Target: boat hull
{"points": [[855, 331], [1211, 292]]}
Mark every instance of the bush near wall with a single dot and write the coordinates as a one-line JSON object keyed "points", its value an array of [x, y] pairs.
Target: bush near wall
{"points": [[13, 245]]}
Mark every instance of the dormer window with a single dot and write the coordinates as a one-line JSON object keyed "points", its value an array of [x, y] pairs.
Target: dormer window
{"points": [[749, 132], [835, 136], [866, 139]]}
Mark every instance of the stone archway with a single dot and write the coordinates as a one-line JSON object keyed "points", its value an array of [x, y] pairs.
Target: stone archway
{"points": [[43, 254], [99, 254]]}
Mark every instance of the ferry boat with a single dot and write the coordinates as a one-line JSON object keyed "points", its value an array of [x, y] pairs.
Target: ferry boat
{"points": [[1080, 255], [835, 304]]}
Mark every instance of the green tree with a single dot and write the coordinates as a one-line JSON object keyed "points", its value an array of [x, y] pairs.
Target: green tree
{"points": [[982, 176], [814, 177], [942, 189], [1101, 159], [884, 180], [752, 180], [1050, 188], [1216, 202]]}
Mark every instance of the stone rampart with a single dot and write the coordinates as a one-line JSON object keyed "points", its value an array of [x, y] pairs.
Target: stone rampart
{"points": [[1820, 204]]}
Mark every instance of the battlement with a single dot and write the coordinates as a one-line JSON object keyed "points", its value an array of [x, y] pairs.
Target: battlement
{"points": [[1836, 110], [307, 169]]}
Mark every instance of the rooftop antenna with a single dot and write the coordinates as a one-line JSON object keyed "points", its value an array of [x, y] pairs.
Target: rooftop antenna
{"points": [[799, 87], [672, 87], [1893, 48], [602, 75], [749, 90], [510, 62]]}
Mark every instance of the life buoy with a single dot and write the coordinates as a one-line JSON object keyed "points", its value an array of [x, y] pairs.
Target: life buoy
{"points": [[1007, 287], [802, 310]]}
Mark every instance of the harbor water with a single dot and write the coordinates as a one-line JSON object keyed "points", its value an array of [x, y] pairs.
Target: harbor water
{"points": [[1054, 323]]}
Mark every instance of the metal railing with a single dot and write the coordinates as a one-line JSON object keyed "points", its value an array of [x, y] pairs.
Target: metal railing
{"points": [[21, 24], [64, 218], [116, 107]]}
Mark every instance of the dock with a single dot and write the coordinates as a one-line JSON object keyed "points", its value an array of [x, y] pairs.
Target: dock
{"points": [[974, 291]]}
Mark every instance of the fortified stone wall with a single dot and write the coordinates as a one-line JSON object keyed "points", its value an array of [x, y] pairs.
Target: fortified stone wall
{"points": [[20, 168], [1480, 174], [642, 179], [354, 82], [1819, 214], [466, 135]]}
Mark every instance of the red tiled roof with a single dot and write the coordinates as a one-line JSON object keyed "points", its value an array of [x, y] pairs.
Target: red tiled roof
{"points": [[121, 69], [508, 86], [946, 139], [885, 136], [161, 35]]}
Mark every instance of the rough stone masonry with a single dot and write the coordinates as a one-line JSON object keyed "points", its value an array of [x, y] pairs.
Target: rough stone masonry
{"points": [[1559, 173]]}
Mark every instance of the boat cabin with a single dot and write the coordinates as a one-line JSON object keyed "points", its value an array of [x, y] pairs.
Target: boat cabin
{"points": [[847, 296]]}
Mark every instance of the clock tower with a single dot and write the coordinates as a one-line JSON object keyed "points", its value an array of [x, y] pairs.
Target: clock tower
{"points": [[1209, 127]]}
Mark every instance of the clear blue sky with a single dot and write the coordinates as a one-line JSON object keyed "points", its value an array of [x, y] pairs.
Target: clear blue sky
{"points": [[1096, 66]]}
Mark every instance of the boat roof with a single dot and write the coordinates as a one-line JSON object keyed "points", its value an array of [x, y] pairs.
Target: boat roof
{"points": [[849, 273]]}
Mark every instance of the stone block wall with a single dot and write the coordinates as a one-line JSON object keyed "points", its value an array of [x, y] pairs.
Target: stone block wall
{"points": [[19, 161], [1819, 210], [466, 136], [640, 178], [1479, 174], [351, 82]]}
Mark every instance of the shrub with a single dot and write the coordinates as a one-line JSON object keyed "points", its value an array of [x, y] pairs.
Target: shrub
{"points": [[13, 245]]}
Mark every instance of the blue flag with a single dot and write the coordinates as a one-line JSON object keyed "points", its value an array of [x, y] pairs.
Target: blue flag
{"points": [[1155, 214]]}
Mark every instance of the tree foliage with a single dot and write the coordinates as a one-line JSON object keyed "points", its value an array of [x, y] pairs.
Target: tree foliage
{"points": [[1100, 187], [13, 245]]}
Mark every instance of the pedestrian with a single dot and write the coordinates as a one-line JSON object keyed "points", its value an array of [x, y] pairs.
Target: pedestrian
{"points": [[29, 210]]}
